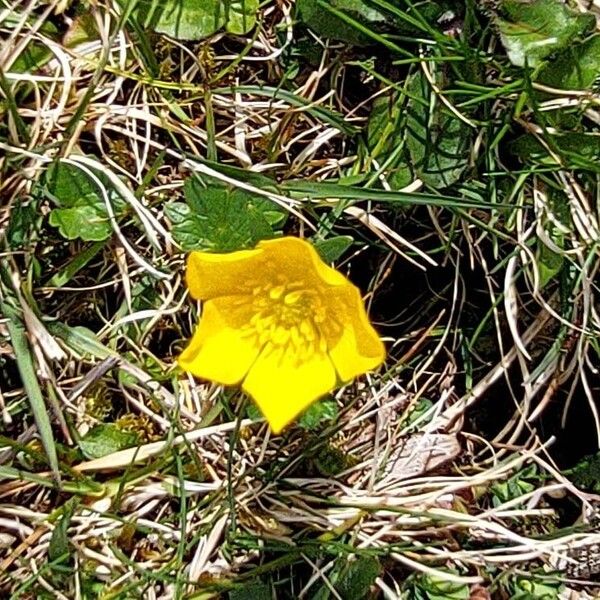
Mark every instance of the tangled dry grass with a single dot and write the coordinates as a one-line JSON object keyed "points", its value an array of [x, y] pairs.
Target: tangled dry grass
{"points": [[208, 502]]}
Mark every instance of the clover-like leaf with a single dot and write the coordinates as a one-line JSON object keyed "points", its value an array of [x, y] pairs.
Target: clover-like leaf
{"points": [[88, 222], [80, 211]]}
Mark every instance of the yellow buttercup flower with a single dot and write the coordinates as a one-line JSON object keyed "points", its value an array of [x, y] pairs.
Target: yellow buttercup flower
{"points": [[281, 322]]}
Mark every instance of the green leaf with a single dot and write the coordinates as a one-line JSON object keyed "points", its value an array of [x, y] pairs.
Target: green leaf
{"points": [[549, 263], [437, 588], [438, 142], [327, 24], [35, 54], [221, 219], [82, 29], [105, 439], [253, 412], [531, 589], [586, 473], [242, 16], [86, 222], [68, 184], [81, 211], [576, 68], [533, 30], [331, 461], [184, 19], [197, 19], [582, 149], [317, 414], [59, 540], [377, 16], [20, 225], [514, 487], [385, 127], [331, 249], [357, 577], [255, 590], [420, 408]]}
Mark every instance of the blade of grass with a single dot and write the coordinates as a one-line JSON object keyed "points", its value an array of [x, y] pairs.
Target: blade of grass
{"points": [[26, 366], [321, 190], [77, 263], [328, 116]]}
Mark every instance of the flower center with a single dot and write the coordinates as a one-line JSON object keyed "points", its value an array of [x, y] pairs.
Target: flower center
{"points": [[289, 315]]}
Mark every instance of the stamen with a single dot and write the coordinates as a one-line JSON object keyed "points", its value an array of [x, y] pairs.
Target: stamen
{"points": [[287, 316]]}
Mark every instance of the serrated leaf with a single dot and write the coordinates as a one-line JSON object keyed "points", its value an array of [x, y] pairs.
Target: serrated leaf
{"points": [[105, 439], [318, 414], [187, 225], [532, 30], [331, 249], [221, 219], [438, 141], [576, 68]]}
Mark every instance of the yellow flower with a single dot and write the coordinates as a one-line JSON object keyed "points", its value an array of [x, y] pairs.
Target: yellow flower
{"points": [[282, 322]]}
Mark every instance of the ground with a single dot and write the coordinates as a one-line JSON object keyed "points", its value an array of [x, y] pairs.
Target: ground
{"points": [[441, 155]]}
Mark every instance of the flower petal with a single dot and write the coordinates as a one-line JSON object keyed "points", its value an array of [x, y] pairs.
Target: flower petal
{"points": [[211, 275], [220, 350], [283, 387], [297, 259], [357, 348]]}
